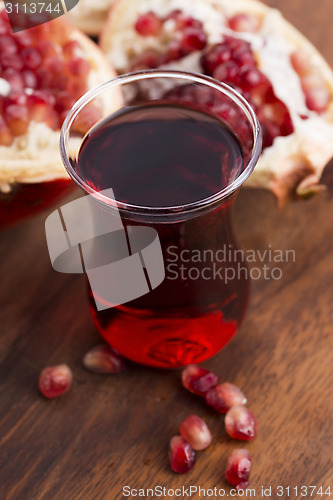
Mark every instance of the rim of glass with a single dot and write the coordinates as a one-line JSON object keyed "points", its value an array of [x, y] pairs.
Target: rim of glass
{"points": [[150, 74]]}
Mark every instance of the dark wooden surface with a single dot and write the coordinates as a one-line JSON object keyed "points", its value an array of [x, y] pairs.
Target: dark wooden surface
{"points": [[108, 432]]}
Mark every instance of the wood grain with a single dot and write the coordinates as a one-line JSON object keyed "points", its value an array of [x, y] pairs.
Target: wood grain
{"points": [[108, 432]]}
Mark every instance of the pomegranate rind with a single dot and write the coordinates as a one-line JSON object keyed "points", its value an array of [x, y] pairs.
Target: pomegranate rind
{"points": [[293, 165], [34, 156]]}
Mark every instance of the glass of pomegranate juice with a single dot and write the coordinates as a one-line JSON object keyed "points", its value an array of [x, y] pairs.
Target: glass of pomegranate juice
{"points": [[174, 149]]}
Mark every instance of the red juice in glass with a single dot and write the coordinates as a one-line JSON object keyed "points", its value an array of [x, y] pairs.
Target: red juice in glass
{"points": [[174, 165]]}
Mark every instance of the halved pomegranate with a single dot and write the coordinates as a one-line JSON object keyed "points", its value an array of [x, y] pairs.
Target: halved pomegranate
{"points": [[263, 57], [44, 70]]}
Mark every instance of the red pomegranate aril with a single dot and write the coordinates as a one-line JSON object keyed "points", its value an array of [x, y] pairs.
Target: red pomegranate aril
{"points": [[24, 38], [243, 485], [17, 119], [217, 55], [78, 67], [190, 22], [301, 62], [236, 43], [240, 423], [6, 137], [227, 72], [8, 45], [31, 58], [198, 380], [72, 49], [193, 39], [195, 431], [102, 359], [39, 107], [148, 24], [47, 48], [44, 77], [54, 65], [224, 396], [14, 78], [244, 23], [29, 79], [317, 99], [15, 97], [181, 455], [11, 61], [244, 57], [316, 93], [148, 59], [238, 468], [64, 101], [55, 380], [252, 78], [59, 82]]}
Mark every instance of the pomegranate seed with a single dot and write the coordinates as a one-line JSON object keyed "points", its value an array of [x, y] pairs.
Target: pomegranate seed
{"points": [[31, 58], [6, 137], [47, 48], [217, 55], [44, 77], [148, 59], [227, 72], [236, 43], [64, 102], [7, 45], [181, 455], [29, 79], [252, 78], [238, 468], [317, 99], [148, 24], [269, 132], [174, 14], [244, 22], [224, 396], [196, 433], [193, 39], [244, 57], [72, 49], [24, 38], [17, 119], [301, 62], [102, 359], [198, 380], [316, 94], [174, 51], [183, 21], [78, 67], [54, 65], [240, 423], [11, 61], [39, 107], [55, 381], [243, 485], [15, 97]]}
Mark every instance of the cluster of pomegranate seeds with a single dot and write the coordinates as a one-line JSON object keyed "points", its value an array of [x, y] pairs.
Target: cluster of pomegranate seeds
{"points": [[181, 455], [240, 423], [316, 93], [195, 431], [239, 468], [55, 381], [188, 37], [198, 380], [102, 359], [224, 396], [232, 61], [195, 435], [46, 72]]}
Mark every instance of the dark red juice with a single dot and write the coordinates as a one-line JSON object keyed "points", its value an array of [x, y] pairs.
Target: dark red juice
{"points": [[165, 156]]}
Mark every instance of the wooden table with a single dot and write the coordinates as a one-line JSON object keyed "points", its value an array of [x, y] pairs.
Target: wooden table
{"points": [[112, 431]]}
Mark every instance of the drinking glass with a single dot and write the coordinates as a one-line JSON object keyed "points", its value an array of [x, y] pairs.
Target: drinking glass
{"points": [[201, 302]]}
